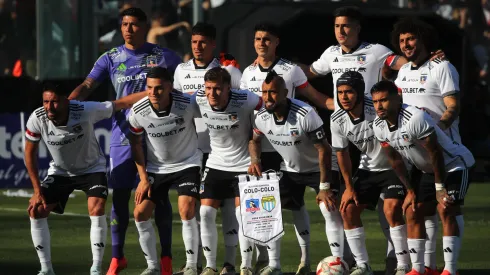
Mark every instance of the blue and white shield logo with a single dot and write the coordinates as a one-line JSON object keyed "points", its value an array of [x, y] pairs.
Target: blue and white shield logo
{"points": [[252, 205], [268, 203]]}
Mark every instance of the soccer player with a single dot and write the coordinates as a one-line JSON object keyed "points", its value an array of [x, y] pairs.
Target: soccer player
{"points": [[353, 122], [296, 132], [266, 41], [165, 116], [227, 114], [188, 78], [67, 129], [127, 66], [432, 85], [409, 132]]}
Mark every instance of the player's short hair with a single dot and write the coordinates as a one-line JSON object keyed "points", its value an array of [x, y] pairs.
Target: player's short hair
{"points": [[267, 27], [54, 88], [218, 74], [417, 27], [204, 29], [135, 12], [352, 12], [160, 73], [385, 86]]}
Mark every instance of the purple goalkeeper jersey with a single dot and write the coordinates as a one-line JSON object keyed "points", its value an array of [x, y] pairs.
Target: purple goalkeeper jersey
{"points": [[127, 70]]}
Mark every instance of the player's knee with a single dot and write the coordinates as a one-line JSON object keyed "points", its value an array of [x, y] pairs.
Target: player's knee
{"points": [[351, 215], [38, 212], [393, 209], [96, 206], [187, 209], [414, 218], [446, 212], [140, 214]]}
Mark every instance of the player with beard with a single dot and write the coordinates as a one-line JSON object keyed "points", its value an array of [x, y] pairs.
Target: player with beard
{"points": [[127, 66], [434, 86], [189, 78], [296, 132], [409, 132], [67, 129]]}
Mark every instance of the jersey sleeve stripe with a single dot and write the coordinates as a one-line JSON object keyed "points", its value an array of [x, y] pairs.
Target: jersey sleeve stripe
{"points": [[32, 136], [141, 107], [259, 104], [41, 113], [136, 131], [378, 121], [300, 111], [261, 111], [144, 103], [182, 100], [337, 116], [304, 85]]}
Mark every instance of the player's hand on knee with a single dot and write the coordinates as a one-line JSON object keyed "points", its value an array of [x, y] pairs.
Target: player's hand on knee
{"points": [[348, 197], [142, 191], [328, 198], [36, 200], [410, 200], [443, 198], [255, 169]]}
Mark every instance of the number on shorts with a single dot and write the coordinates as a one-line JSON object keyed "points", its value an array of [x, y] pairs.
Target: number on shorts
{"points": [[204, 174]]}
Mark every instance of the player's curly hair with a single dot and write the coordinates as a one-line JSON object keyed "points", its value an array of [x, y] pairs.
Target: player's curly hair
{"points": [[218, 74], [422, 30], [135, 12], [204, 29]]}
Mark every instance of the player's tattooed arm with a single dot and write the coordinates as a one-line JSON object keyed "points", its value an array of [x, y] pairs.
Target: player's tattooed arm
{"points": [[434, 149], [83, 90], [31, 153], [453, 106], [319, 99], [345, 166], [324, 159], [143, 189], [254, 151]]}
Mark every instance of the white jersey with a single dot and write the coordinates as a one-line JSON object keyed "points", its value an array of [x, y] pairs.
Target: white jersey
{"points": [[293, 137], [360, 132], [413, 125], [368, 59], [427, 85], [74, 147], [254, 75], [171, 137], [230, 129], [189, 78]]}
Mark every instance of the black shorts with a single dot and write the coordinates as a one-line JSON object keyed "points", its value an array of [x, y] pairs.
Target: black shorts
{"points": [[57, 189], [271, 161], [219, 185], [456, 183], [292, 187], [186, 181], [369, 185]]}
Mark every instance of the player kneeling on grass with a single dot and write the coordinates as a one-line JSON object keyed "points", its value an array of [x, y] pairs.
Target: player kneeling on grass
{"points": [[407, 131], [296, 132], [165, 117], [67, 129], [353, 122]]}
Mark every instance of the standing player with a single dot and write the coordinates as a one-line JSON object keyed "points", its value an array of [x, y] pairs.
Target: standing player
{"points": [[432, 85], [127, 66], [227, 114], [266, 41], [166, 117], [67, 128], [296, 132], [188, 78], [407, 131], [353, 122]]}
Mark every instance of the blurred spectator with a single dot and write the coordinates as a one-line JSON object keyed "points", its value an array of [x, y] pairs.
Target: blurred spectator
{"points": [[174, 36]]}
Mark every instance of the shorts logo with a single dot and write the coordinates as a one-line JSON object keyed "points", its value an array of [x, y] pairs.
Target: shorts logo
{"points": [[268, 203], [151, 180], [201, 189], [423, 79], [252, 205], [361, 59]]}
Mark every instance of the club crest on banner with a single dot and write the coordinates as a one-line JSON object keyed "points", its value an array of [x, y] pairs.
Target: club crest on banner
{"points": [[252, 205], [268, 203]]}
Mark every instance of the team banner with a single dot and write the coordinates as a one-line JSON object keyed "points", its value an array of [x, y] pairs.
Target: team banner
{"points": [[260, 208], [13, 173]]}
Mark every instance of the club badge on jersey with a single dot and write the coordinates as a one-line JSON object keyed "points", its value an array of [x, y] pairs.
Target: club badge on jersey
{"points": [[260, 208]]}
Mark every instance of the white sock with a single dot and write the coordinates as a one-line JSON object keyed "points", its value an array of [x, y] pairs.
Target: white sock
{"points": [[230, 230], [431, 225], [190, 234], [42, 242], [385, 227], [399, 238], [209, 235], [335, 230], [198, 219], [302, 227], [451, 246], [262, 254], [246, 246], [274, 251], [98, 236], [148, 242], [460, 221], [357, 243], [416, 247]]}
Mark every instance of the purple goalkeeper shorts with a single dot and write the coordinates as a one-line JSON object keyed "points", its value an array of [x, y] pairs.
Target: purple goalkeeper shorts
{"points": [[123, 172]]}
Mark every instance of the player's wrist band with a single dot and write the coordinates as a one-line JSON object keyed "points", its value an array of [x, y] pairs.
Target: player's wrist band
{"points": [[439, 186], [324, 185]]}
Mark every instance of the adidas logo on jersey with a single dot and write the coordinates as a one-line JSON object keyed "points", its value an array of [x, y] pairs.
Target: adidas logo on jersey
{"points": [[404, 78], [151, 125], [336, 60], [270, 132], [253, 79], [51, 133], [187, 76], [205, 115]]}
